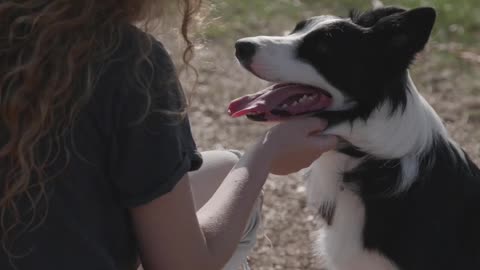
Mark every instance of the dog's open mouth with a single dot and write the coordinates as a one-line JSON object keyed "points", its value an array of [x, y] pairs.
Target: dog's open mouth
{"points": [[281, 101]]}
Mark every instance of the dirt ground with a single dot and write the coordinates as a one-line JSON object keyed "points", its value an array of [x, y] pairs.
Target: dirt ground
{"points": [[447, 82]]}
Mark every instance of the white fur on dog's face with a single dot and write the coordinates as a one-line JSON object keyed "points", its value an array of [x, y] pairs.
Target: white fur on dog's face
{"points": [[275, 61]]}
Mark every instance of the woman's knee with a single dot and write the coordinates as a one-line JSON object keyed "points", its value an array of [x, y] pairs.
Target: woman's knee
{"points": [[216, 166], [222, 158], [218, 162]]}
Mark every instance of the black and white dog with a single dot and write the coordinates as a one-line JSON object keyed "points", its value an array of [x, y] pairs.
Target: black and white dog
{"points": [[400, 194]]}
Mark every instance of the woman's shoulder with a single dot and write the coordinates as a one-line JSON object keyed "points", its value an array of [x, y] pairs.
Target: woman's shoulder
{"points": [[136, 60], [138, 49], [139, 77]]}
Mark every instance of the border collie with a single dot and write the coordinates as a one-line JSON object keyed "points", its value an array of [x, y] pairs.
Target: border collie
{"points": [[399, 193]]}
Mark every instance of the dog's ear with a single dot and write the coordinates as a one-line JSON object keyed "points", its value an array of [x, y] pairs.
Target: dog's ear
{"points": [[371, 17], [406, 32]]}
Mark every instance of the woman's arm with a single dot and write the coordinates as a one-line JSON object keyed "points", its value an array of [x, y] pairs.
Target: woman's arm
{"points": [[172, 236]]}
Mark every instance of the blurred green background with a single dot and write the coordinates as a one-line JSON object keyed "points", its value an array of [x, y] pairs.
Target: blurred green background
{"points": [[458, 20]]}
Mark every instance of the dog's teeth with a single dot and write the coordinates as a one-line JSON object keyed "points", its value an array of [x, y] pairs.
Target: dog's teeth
{"points": [[295, 103], [303, 99], [284, 106]]}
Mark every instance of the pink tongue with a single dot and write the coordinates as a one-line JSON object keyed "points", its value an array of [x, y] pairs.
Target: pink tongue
{"points": [[271, 97]]}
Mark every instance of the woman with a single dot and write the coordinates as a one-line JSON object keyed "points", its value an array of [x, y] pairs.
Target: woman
{"points": [[96, 148]]}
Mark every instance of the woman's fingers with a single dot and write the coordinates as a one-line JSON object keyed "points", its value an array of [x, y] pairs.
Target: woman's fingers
{"points": [[308, 125], [325, 142]]}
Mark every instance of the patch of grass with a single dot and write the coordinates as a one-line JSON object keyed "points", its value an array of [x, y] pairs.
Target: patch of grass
{"points": [[458, 20]]}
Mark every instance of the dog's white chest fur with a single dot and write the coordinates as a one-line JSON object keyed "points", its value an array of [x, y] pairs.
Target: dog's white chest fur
{"points": [[340, 243]]}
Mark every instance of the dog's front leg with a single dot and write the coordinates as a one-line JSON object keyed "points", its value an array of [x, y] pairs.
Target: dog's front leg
{"points": [[324, 181]]}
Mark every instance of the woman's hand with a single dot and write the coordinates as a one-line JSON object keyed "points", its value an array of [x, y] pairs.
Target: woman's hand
{"points": [[295, 144]]}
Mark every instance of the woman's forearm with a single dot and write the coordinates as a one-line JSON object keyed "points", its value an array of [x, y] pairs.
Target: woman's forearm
{"points": [[286, 148], [224, 217]]}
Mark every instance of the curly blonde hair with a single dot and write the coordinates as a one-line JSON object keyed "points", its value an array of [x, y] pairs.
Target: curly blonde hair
{"points": [[48, 49]]}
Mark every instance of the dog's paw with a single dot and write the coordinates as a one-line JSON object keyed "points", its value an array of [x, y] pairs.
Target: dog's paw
{"points": [[322, 178], [322, 197], [327, 211]]}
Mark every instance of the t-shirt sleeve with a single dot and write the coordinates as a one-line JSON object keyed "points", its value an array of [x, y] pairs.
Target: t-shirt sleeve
{"points": [[151, 150]]}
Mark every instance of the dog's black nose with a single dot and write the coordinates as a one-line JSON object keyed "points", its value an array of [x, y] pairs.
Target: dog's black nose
{"points": [[245, 50]]}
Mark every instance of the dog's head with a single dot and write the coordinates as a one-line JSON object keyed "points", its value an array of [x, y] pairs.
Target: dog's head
{"points": [[333, 67]]}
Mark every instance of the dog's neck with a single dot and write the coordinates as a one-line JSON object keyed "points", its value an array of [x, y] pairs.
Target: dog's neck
{"points": [[387, 135], [406, 134]]}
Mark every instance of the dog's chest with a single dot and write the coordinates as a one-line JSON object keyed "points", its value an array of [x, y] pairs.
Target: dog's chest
{"points": [[366, 230], [340, 241]]}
